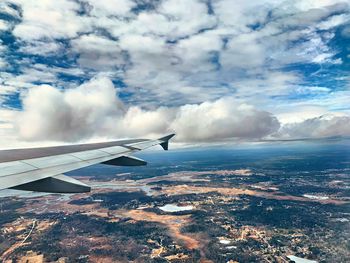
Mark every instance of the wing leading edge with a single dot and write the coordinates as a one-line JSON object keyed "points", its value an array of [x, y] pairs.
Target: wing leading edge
{"points": [[42, 169]]}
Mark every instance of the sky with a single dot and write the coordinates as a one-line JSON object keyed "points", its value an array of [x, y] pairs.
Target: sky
{"points": [[208, 70]]}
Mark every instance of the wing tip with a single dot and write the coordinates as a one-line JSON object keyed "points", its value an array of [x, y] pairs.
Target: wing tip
{"points": [[165, 139]]}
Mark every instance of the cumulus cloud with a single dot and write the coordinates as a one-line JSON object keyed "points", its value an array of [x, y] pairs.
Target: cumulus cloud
{"points": [[97, 52], [69, 115], [50, 20], [223, 119], [323, 126], [194, 14], [41, 48], [7, 9], [93, 109], [166, 46], [190, 66], [110, 7]]}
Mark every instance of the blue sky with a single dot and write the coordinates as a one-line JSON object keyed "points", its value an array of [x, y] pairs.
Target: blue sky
{"points": [[207, 70]]}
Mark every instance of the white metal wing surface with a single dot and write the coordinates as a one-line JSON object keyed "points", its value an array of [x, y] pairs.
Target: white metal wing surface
{"points": [[42, 169]]}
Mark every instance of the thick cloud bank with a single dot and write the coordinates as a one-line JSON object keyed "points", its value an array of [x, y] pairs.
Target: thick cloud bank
{"points": [[323, 126], [222, 119], [94, 110]]}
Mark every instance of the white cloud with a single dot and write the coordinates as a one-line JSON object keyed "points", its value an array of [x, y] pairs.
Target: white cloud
{"points": [[171, 19], [258, 83], [222, 119], [186, 17], [292, 113], [334, 21], [247, 42], [4, 26], [68, 115], [243, 51], [4, 89], [75, 71], [176, 53], [305, 5], [97, 52], [312, 15], [142, 45], [6, 8], [318, 127], [171, 70], [30, 75], [50, 19], [7, 132], [150, 59], [93, 109], [196, 59], [111, 7], [40, 48], [236, 16]]}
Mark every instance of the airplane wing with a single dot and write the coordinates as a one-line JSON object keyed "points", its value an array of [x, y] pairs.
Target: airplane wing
{"points": [[42, 169]]}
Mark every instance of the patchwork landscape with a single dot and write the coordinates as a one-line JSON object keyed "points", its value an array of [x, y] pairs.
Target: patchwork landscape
{"points": [[275, 203]]}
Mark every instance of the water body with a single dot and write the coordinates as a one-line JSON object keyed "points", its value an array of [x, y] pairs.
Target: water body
{"points": [[121, 186], [175, 208], [316, 197], [225, 241], [301, 260]]}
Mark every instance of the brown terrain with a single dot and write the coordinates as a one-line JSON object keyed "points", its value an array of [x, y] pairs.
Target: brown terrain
{"points": [[188, 189], [22, 228], [173, 223]]}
